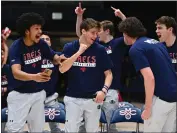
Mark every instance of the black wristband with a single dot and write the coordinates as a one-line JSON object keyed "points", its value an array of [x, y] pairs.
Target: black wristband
{"points": [[106, 87]]}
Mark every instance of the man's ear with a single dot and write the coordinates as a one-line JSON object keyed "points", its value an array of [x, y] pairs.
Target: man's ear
{"points": [[107, 31], [170, 29], [83, 31], [27, 32]]}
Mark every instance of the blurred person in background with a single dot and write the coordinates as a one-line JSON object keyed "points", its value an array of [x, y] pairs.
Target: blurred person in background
{"points": [[166, 28]]}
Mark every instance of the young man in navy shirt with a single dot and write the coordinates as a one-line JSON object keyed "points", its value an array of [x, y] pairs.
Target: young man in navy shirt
{"points": [[151, 59], [166, 31], [116, 49], [89, 78], [26, 101], [51, 86]]}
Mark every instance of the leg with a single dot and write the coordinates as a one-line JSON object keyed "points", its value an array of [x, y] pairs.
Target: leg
{"points": [[54, 126], [18, 109], [158, 116], [92, 113], [82, 127], [36, 117], [170, 125], [74, 113], [3, 125], [109, 105]]}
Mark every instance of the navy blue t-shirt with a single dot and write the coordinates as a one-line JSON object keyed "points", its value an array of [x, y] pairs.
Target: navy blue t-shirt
{"points": [[173, 54], [50, 86], [30, 59], [116, 49], [86, 76], [147, 52]]}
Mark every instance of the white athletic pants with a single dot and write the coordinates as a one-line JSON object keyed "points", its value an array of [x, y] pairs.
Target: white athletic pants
{"points": [[76, 109], [163, 117], [24, 107]]}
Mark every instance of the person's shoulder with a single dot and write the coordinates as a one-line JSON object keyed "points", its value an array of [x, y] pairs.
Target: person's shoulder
{"points": [[98, 45], [17, 43], [147, 40], [118, 39], [42, 43], [71, 44]]}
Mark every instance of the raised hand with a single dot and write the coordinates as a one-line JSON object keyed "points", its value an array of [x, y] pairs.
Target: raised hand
{"points": [[118, 13], [79, 10], [82, 48], [6, 33]]}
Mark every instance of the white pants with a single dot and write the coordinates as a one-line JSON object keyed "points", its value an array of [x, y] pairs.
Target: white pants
{"points": [[24, 107], [109, 105], [76, 109], [163, 117]]}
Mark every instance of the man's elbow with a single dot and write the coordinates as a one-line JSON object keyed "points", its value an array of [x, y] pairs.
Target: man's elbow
{"points": [[62, 70], [15, 74]]}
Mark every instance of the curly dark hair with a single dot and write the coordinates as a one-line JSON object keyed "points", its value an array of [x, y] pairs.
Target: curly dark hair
{"points": [[168, 22], [26, 20], [132, 27]]}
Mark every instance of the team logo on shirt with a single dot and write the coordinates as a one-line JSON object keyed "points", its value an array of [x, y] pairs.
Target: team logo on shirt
{"points": [[151, 41], [108, 50], [47, 64], [85, 61], [173, 57], [4, 80], [31, 58]]}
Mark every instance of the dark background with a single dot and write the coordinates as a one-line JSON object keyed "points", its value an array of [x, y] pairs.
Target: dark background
{"points": [[62, 31], [146, 11]]}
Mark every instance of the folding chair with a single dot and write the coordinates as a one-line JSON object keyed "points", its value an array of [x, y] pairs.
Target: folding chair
{"points": [[4, 115], [103, 121], [126, 114], [55, 114], [125, 104]]}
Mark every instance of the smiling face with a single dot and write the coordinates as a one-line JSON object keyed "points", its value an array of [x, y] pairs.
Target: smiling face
{"points": [[163, 32], [34, 33], [90, 35]]}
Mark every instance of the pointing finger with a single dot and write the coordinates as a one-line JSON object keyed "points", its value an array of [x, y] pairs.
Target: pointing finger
{"points": [[80, 4], [113, 8]]}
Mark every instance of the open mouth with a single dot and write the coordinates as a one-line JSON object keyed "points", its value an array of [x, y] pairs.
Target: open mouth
{"points": [[38, 36], [159, 36]]}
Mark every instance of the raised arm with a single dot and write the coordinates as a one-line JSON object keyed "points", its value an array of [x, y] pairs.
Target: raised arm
{"points": [[67, 63], [79, 11], [5, 34], [118, 13]]}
